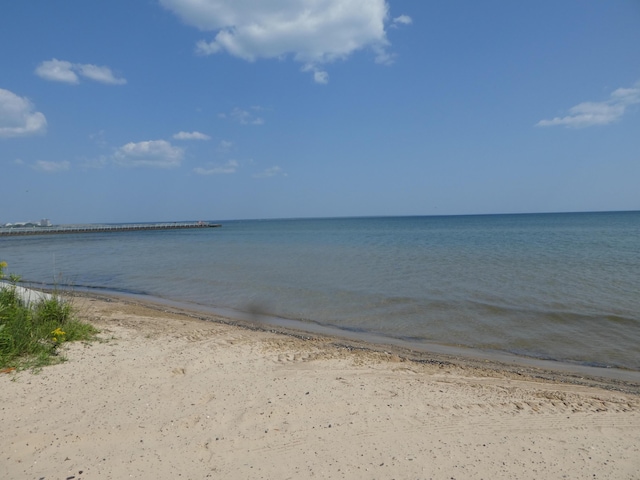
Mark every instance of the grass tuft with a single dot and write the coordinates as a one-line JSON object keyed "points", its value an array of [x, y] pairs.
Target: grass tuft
{"points": [[30, 335]]}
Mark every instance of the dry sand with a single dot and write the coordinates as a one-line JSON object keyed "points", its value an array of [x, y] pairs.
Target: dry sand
{"points": [[167, 396]]}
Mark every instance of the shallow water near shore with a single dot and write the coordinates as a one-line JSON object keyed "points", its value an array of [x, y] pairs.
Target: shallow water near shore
{"points": [[561, 287]]}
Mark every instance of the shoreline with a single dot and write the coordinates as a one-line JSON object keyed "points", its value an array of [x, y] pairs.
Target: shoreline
{"points": [[552, 370], [165, 394]]}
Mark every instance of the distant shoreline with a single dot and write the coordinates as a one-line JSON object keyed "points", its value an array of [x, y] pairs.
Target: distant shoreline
{"points": [[68, 229], [350, 217]]}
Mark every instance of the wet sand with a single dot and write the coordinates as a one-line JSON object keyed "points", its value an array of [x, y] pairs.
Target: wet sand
{"points": [[165, 394]]}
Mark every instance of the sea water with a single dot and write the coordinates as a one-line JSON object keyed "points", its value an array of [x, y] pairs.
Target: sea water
{"points": [[563, 287]]}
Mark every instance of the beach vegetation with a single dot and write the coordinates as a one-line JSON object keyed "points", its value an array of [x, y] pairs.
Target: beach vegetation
{"points": [[31, 333]]}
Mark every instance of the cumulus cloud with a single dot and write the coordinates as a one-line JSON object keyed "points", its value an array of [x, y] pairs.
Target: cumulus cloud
{"points": [[18, 117], [270, 172], [154, 153], [57, 71], [191, 136], [100, 74], [313, 32], [51, 167], [243, 117], [67, 72], [230, 167], [588, 114]]}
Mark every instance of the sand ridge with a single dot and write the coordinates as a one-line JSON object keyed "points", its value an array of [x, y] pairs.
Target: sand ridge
{"points": [[167, 396]]}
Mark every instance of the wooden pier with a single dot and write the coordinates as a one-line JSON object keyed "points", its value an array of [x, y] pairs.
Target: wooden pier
{"points": [[60, 229]]}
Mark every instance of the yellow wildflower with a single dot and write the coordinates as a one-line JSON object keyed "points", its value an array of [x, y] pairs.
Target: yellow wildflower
{"points": [[57, 334]]}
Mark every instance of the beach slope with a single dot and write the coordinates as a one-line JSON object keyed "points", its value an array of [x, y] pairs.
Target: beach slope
{"points": [[163, 395]]}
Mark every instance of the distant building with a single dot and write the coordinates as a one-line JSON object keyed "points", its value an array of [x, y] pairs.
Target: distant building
{"points": [[42, 223]]}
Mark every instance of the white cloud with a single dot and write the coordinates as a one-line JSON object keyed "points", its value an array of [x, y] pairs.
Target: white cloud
{"points": [[230, 167], [313, 32], [243, 117], [154, 153], [67, 72], [207, 48], [51, 167], [270, 172], [403, 20], [100, 74], [588, 114], [383, 57], [57, 71], [17, 116], [191, 136], [321, 76]]}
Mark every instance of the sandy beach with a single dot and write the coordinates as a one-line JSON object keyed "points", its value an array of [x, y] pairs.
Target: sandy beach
{"points": [[165, 395]]}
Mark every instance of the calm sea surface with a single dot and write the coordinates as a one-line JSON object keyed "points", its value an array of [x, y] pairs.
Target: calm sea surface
{"points": [[554, 286]]}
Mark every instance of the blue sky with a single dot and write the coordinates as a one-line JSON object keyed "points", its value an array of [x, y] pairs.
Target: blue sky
{"points": [[162, 110]]}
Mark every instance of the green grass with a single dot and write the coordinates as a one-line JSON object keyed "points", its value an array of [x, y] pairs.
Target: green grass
{"points": [[30, 335]]}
